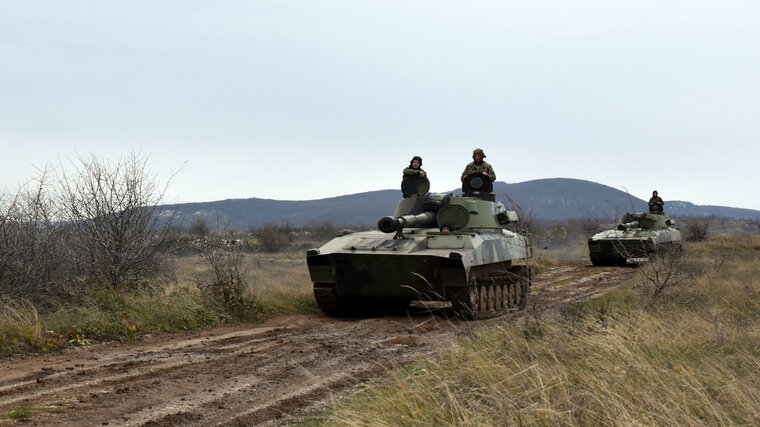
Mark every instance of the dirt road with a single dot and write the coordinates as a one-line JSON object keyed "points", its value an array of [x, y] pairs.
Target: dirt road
{"points": [[248, 374]]}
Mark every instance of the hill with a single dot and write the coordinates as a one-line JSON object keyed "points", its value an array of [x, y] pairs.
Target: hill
{"points": [[550, 199]]}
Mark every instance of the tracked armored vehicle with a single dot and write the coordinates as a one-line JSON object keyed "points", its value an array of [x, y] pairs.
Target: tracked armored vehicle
{"points": [[436, 247], [637, 236]]}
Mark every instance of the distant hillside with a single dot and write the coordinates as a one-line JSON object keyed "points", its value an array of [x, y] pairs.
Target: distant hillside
{"points": [[552, 199]]}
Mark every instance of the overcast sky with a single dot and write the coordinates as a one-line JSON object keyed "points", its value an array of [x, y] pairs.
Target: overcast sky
{"points": [[302, 100]]}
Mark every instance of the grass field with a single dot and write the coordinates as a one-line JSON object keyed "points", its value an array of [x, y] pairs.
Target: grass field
{"points": [[270, 284], [692, 357]]}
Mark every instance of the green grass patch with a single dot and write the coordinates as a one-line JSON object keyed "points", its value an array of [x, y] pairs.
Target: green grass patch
{"points": [[283, 302], [26, 412], [112, 315]]}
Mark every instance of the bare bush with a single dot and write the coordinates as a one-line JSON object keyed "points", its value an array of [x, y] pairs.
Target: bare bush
{"points": [[273, 238], [114, 213], [587, 225], [697, 228], [667, 270], [322, 230], [754, 223], [199, 227], [33, 251], [229, 287]]}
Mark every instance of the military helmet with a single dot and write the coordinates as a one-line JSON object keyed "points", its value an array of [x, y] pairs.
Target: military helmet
{"points": [[478, 151], [418, 158]]}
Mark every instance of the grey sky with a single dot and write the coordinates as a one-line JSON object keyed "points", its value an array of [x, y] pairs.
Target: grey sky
{"points": [[311, 99]]}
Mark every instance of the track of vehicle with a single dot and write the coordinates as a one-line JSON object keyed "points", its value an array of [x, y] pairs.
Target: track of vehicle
{"points": [[250, 374]]}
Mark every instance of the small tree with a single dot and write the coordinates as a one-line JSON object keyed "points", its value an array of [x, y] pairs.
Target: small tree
{"points": [[114, 210]]}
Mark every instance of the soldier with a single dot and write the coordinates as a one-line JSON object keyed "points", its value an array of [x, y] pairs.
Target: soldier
{"points": [[479, 166], [655, 203], [414, 182], [414, 167]]}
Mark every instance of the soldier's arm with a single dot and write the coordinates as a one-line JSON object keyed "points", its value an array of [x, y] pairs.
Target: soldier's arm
{"points": [[491, 173], [410, 171]]}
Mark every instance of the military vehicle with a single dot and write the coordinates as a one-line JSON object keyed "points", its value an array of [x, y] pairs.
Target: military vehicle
{"points": [[436, 247], [637, 236]]}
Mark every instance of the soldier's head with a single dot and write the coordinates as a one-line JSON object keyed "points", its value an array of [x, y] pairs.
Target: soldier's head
{"points": [[416, 162], [654, 193], [478, 154]]}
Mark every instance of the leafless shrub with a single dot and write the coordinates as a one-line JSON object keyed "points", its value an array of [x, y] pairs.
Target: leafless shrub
{"points": [[666, 271], [113, 210], [696, 228], [33, 249], [586, 225], [229, 287], [536, 310], [322, 231], [273, 238], [199, 227], [754, 223]]}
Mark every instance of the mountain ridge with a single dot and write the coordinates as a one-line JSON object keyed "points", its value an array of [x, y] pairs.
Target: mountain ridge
{"points": [[547, 199]]}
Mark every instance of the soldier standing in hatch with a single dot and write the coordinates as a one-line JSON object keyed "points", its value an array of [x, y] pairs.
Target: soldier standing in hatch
{"points": [[655, 203], [479, 166], [414, 167]]}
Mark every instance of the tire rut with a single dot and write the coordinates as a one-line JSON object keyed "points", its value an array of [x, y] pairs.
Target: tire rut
{"points": [[249, 374]]}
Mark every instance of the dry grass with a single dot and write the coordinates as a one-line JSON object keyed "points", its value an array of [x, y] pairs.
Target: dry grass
{"points": [[692, 359], [20, 327], [279, 282], [275, 284]]}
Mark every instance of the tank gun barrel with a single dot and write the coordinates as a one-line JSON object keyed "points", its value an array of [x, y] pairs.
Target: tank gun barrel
{"points": [[632, 224], [390, 224]]}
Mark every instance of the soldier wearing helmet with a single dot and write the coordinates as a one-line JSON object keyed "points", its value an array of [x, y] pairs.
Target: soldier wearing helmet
{"points": [[479, 166], [414, 167]]}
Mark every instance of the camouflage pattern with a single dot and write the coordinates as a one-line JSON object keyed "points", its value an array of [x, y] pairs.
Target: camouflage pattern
{"points": [[639, 235], [412, 171], [434, 255], [656, 203], [479, 168]]}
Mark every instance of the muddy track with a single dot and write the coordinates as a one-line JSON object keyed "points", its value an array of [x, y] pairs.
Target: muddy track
{"points": [[249, 374]]}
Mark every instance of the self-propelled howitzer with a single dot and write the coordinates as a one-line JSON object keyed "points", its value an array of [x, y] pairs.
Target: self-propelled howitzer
{"points": [[636, 236], [436, 247]]}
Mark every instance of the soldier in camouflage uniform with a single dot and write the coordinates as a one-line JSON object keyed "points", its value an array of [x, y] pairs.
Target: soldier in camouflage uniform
{"points": [[479, 166], [414, 167], [655, 203]]}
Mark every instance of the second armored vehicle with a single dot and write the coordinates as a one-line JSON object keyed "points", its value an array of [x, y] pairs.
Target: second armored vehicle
{"points": [[436, 247], [636, 236]]}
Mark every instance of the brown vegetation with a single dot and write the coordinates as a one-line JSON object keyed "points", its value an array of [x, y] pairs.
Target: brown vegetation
{"points": [[686, 356]]}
